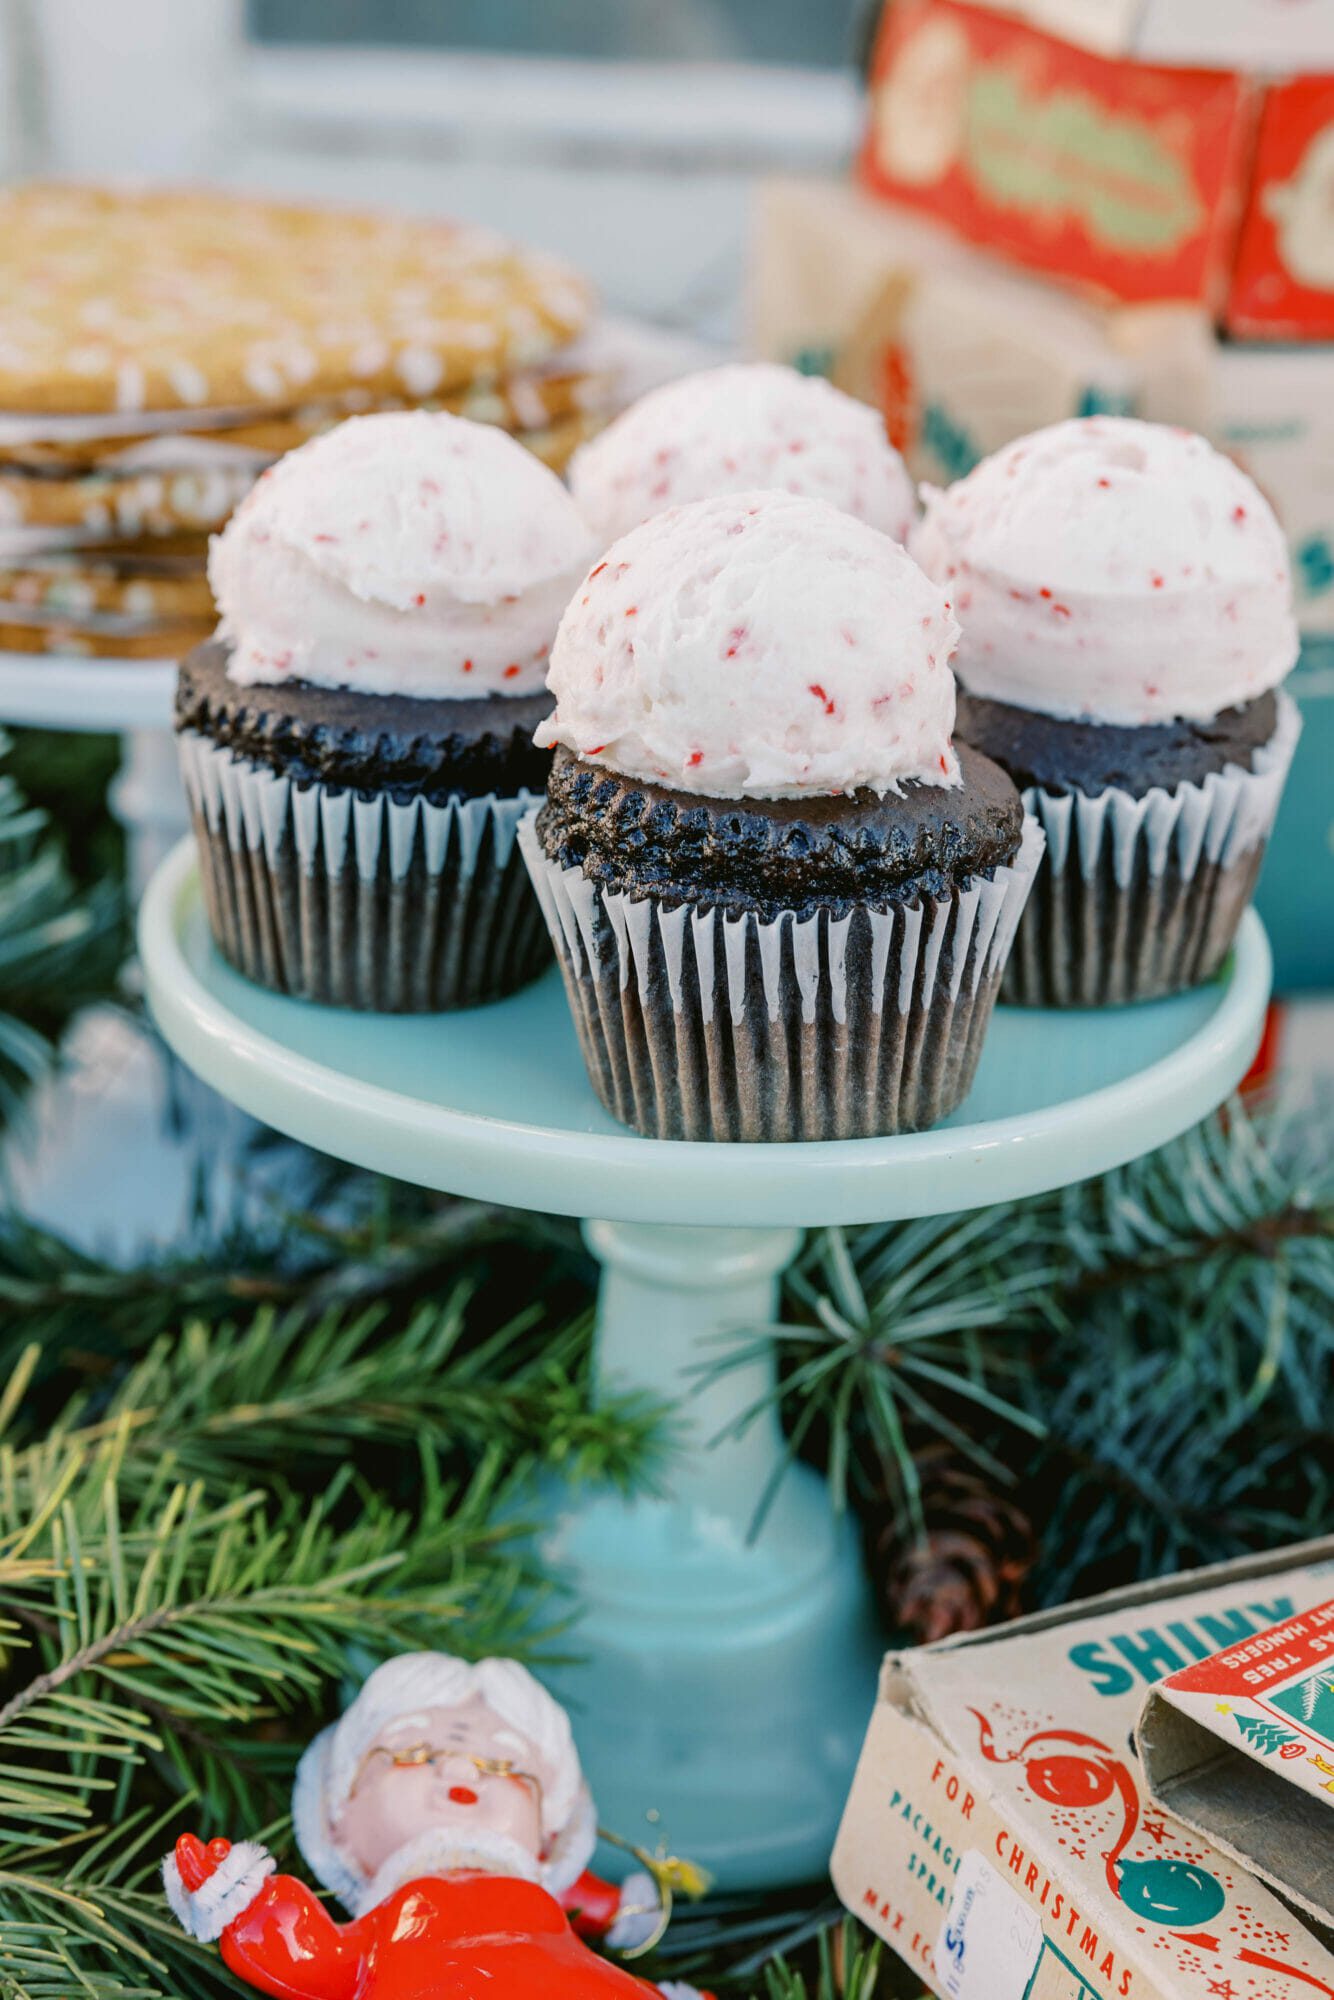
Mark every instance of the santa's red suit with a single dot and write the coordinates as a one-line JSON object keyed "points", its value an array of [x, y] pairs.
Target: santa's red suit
{"points": [[460, 1936]]}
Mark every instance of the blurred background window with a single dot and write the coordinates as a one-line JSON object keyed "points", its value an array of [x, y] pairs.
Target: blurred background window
{"points": [[757, 31], [627, 134]]}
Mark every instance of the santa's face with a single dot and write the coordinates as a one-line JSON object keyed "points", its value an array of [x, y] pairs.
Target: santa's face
{"points": [[459, 1769]]}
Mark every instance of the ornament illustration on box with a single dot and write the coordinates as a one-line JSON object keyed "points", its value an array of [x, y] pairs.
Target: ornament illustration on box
{"points": [[1064, 1767], [1177, 1893], [448, 1812]]}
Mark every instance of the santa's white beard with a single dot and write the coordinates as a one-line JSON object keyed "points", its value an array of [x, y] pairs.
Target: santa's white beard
{"points": [[447, 1850]]}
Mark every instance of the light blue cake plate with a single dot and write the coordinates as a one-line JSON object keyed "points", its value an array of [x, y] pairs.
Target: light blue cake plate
{"points": [[728, 1678]]}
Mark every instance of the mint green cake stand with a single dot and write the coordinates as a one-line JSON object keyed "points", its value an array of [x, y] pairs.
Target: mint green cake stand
{"points": [[728, 1679]]}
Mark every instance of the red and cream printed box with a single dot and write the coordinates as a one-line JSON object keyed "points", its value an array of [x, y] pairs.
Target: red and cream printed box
{"points": [[1283, 278], [1124, 178], [999, 1834], [1241, 1747], [958, 353]]}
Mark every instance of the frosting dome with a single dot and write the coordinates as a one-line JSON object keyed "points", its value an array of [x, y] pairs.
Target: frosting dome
{"points": [[757, 645], [400, 554], [737, 429], [1115, 571]]}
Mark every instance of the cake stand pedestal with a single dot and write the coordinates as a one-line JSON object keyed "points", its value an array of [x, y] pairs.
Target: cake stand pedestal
{"points": [[728, 1674]]}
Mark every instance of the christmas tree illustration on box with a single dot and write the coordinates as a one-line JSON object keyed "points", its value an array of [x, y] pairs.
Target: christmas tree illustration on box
{"points": [[1310, 1701], [1266, 1737]]}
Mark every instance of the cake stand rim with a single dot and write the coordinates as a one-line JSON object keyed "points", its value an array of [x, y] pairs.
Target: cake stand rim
{"points": [[622, 1176]]}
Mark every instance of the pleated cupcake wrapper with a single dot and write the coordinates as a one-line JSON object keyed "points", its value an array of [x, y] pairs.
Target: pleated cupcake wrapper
{"points": [[1142, 897], [699, 1025], [356, 899]]}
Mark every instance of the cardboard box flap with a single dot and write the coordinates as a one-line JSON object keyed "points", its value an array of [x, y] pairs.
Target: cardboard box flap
{"points": [[1240, 1746], [1251, 1813]]}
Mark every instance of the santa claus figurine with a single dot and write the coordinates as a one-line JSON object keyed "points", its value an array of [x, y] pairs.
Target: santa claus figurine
{"points": [[448, 1812]]}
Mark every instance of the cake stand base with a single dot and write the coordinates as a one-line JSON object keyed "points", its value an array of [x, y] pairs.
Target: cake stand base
{"points": [[730, 1666]]}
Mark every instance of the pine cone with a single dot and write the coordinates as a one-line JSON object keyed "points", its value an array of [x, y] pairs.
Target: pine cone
{"points": [[967, 1569]]}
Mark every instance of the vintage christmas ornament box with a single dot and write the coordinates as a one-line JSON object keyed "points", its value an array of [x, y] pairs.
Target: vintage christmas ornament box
{"points": [[1240, 1747], [1000, 1835], [1204, 178]]}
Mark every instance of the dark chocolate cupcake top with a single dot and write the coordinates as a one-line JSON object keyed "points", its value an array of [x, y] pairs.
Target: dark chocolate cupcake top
{"points": [[1091, 757], [771, 855], [366, 742]]}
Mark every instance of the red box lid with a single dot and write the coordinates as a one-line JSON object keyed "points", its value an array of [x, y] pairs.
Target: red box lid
{"points": [[1118, 177]]}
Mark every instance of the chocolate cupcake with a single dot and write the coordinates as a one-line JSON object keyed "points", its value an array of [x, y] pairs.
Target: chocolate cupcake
{"points": [[1126, 606], [780, 901], [357, 742]]}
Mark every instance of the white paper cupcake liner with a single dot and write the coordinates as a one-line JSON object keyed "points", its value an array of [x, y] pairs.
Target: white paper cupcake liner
{"points": [[1142, 897], [699, 1025], [355, 899]]}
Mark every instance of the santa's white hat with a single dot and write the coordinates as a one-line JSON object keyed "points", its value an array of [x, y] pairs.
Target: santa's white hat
{"points": [[402, 1687]]}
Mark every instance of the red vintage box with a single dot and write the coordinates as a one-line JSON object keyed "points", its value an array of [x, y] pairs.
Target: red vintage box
{"points": [[1124, 178], [1283, 279]]}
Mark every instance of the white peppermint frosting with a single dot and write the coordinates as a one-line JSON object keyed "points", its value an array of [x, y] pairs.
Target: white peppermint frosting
{"points": [[1113, 570], [757, 645], [734, 430], [400, 554]]}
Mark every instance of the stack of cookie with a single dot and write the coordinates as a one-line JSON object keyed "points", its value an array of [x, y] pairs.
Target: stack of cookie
{"points": [[158, 350]]}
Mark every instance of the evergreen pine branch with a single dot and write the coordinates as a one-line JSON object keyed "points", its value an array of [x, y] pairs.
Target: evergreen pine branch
{"points": [[377, 1243], [883, 1318], [847, 1967], [65, 1937], [1072, 1341], [228, 1399], [220, 1612], [1141, 1465], [780, 1945], [101, 1893], [192, 1574]]}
